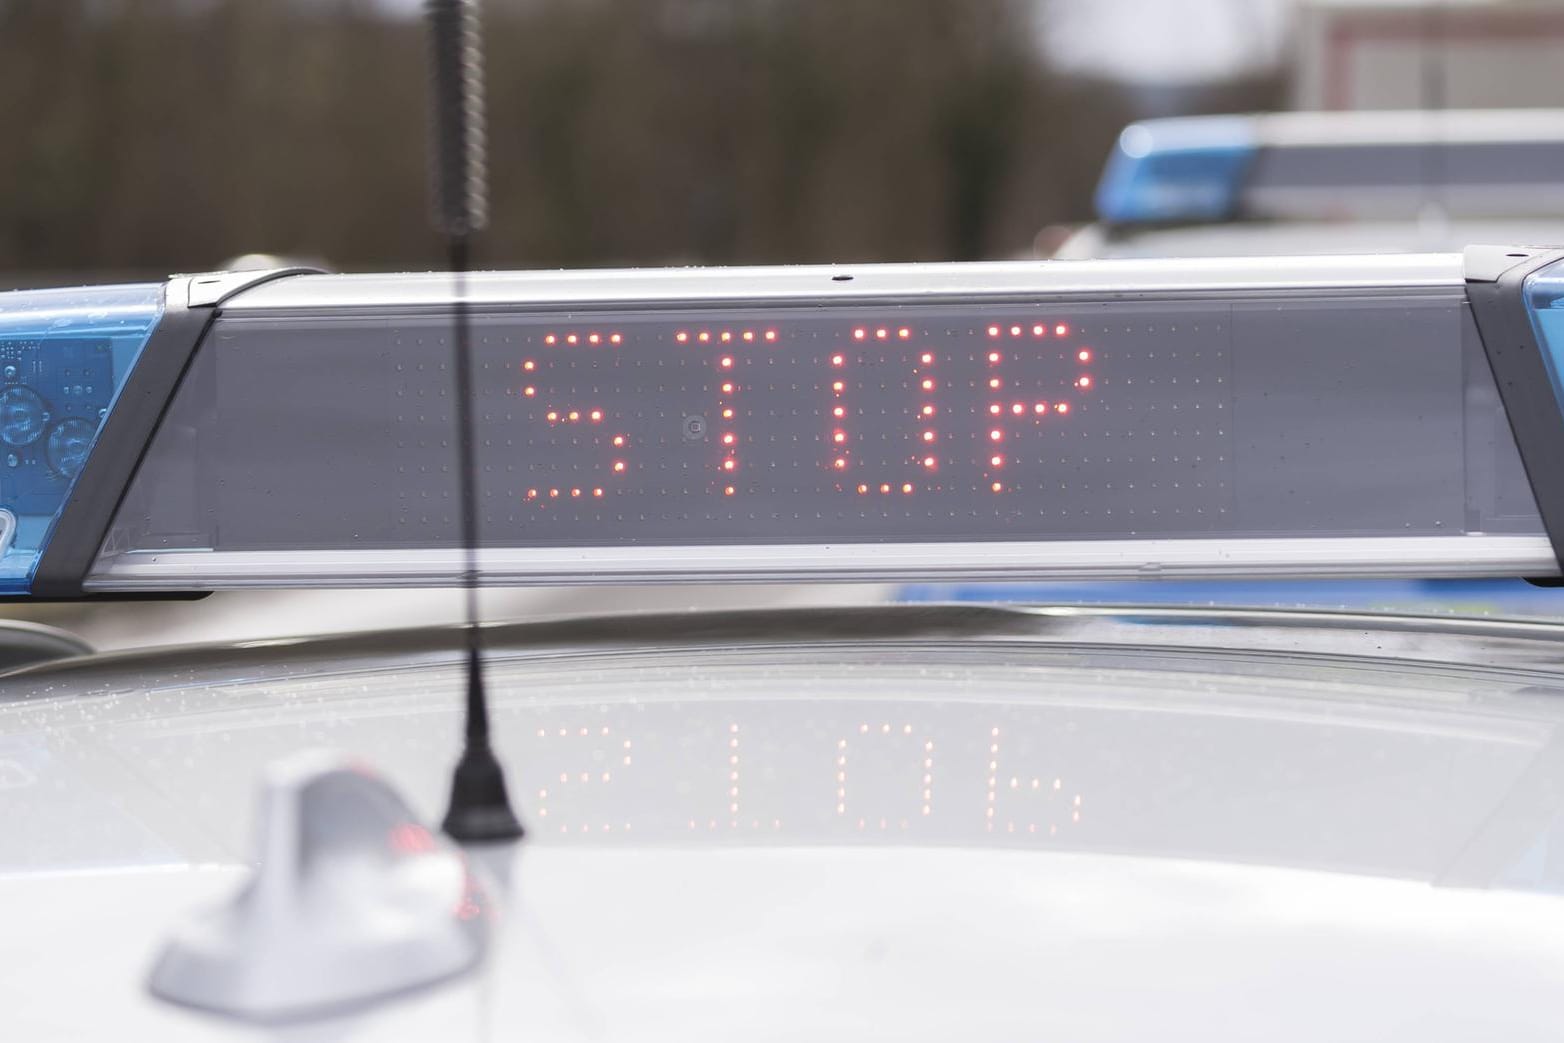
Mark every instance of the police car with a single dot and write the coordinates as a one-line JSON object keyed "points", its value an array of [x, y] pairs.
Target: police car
{"points": [[1326, 182], [922, 822]]}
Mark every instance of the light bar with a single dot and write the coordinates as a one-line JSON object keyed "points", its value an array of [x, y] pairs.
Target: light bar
{"points": [[1333, 165], [1296, 417]]}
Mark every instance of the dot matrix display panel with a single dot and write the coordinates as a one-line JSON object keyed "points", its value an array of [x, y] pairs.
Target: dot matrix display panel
{"points": [[920, 423]]}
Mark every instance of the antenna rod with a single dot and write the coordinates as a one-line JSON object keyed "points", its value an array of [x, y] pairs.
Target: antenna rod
{"points": [[480, 806]]}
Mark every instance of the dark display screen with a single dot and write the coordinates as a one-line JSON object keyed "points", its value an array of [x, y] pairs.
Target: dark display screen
{"points": [[807, 424]]}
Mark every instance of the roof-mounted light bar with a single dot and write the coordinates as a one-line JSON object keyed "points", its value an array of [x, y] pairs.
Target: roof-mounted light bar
{"points": [[1319, 165], [1294, 417]]}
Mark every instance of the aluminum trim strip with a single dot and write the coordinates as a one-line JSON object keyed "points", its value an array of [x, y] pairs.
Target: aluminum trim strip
{"points": [[1323, 557], [1118, 279]]}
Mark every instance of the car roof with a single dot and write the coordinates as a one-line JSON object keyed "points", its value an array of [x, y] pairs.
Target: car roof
{"points": [[807, 823]]}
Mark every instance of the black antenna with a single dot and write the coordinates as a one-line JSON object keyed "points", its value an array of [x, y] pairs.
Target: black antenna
{"points": [[480, 807]]}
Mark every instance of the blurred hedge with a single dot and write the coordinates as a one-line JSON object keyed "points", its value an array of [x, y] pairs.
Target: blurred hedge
{"points": [[154, 135]]}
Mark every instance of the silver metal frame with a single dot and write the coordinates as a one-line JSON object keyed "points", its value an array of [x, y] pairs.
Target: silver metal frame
{"points": [[1231, 558], [890, 283], [1312, 558]]}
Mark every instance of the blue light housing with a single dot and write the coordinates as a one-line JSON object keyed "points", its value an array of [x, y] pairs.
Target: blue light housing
{"points": [[64, 355], [1545, 304], [1176, 170]]}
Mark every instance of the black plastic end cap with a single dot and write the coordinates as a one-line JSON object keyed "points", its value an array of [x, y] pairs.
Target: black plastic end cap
{"points": [[480, 808]]}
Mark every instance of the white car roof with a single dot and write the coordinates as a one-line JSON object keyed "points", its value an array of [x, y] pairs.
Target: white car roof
{"points": [[1209, 812]]}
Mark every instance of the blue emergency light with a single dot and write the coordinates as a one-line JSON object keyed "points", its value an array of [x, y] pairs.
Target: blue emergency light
{"points": [[1186, 169]]}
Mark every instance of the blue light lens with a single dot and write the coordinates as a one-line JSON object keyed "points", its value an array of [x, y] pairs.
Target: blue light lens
{"points": [[64, 355], [1176, 170], [1545, 303]]}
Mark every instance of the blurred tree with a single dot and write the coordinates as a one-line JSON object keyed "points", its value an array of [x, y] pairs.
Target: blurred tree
{"points": [[157, 135]]}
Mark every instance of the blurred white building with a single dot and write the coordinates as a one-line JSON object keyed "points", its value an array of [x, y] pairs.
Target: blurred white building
{"points": [[1454, 54]]}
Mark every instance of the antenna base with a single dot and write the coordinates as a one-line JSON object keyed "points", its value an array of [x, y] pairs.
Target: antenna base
{"points": [[480, 808]]}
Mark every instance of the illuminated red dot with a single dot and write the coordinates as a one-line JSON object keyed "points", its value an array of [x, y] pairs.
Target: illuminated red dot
{"points": [[532, 494], [929, 436], [996, 409], [996, 435], [928, 410], [553, 492], [1083, 381], [1062, 407], [614, 338], [749, 334], [838, 437], [1039, 330], [727, 490], [997, 487], [619, 440], [996, 461], [529, 391], [862, 489], [727, 389], [726, 362], [929, 462], [906, 487], [926, 358], [597, 492], [727, 439], [727, 414], [703, 336], [839, 411], [904, 333], [1084, 355], [1041, 407], [860, 334], [882, 333], [837, 386], [595, 416], [928, 385], [995, 382], [1062, 330], [1015, 331], [574, 415], [681, 336], [551, 339], [529, 365], [553, 417], [572, 339], [1018, 409], [575, 492], [838, 360], [729, 464], [994, 356], [594, 338], [993, 331], [771, 334], [619, 466], [839, 463], [885, 488]]}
